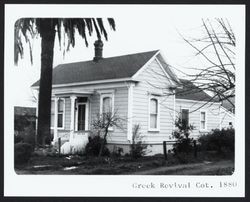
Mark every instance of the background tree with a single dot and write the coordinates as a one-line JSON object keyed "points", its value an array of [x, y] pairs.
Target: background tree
{"points": [[47, 28], [216, 49]]}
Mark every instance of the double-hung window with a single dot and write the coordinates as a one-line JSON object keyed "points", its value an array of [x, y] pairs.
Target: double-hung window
{"points": [[60, 113], [203, 120], [153, 114], [106, 103]]}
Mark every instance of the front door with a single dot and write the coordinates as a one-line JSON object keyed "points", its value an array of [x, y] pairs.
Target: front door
{"points": [[82, 116]]}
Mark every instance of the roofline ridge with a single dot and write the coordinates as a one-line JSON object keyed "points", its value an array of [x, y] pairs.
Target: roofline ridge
{"points": [[157, 50]]}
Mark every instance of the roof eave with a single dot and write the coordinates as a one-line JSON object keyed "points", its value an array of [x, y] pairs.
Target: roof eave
{"points": [[105, 81]]}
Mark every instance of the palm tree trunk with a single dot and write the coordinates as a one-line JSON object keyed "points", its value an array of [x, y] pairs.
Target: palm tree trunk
{"points": [[44, 103]]}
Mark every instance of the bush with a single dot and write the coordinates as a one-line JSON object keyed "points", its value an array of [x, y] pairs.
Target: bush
{"points": [[94, 145], [183, 145], [137, 148], [221, 141], [117, 152], [28, 135], [181, 134], [22, 153], [18, 138]]}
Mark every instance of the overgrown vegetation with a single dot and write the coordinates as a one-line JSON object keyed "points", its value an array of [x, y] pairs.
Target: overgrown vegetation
{"points": [[94, 145], [22, 152], [24, 126], [181, 134], [221, 141], [137, 148], [26, 136], [103, 124]]}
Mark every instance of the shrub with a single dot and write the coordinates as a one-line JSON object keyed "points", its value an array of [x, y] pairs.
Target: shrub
{"points": [[28, 135], [181, 134], [137, 148], [22, 153], [94, 145], [221, 141], [18, 138], [117, 152]]}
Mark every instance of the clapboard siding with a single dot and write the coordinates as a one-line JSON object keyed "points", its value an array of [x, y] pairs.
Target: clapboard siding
{"points": [[226, 118], [120, 105], [195, 108], [121, 108], [153, 80]]}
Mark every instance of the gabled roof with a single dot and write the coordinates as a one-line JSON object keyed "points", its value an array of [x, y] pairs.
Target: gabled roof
{"points": [[191, 92], [228, 104], [107, 68]]}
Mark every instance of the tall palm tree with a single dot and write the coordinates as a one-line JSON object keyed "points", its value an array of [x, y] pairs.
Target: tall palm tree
{"points": [[47, 28]]}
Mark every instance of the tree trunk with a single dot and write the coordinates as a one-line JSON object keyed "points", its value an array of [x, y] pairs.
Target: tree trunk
{"points": [[44, 103], [103, 143]]}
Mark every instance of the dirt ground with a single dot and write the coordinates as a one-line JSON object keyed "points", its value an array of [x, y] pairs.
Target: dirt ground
{"points": [[205, 168], [155, 165]]}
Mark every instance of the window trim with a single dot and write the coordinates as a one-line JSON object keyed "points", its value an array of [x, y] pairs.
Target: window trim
{"points": [[63, 121], [157, 129], [203, 129]]}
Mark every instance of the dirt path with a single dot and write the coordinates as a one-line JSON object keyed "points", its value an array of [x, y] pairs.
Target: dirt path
{"points": [[189, 169]]}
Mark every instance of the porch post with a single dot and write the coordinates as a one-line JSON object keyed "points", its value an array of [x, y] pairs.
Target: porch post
{"points": [[72, 115], [55, 119], [130, 112]]}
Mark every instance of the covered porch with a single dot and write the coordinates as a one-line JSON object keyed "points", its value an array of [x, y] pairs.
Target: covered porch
{"points": [[78, 113]]}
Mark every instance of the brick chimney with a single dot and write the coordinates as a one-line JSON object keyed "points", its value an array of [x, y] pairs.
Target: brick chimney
{"points": [[98, 50]]}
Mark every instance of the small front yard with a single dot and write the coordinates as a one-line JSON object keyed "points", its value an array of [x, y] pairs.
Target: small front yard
{"points": [[214, 155], [204, 164]]}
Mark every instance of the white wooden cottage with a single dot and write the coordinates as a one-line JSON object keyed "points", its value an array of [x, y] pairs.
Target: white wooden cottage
{"points": [[143, 90]]}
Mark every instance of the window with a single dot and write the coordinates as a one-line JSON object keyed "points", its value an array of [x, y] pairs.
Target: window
{"points": [[203, 121], [154, 114], [60, 113], [185, 117], [107, 103], [60, 108]]}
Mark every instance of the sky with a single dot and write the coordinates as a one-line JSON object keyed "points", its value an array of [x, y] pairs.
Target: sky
{"points": [[138, 29]]}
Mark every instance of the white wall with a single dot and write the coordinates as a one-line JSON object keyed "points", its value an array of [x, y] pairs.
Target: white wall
{"points": [[153, 80], [226, 117], [195, 107], [120, 105]]}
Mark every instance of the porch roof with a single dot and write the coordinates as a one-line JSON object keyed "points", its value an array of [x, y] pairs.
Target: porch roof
{"points": [[74, 92]]}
